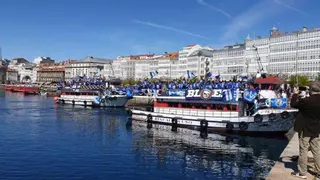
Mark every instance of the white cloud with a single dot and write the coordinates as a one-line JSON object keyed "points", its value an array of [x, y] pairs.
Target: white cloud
{"points": [[291, 7], [255, 14], [167, 28], [203, 3]]}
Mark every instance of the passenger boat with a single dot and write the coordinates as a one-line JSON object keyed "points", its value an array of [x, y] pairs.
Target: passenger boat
{"points": [[232, 110], [93, 95]]}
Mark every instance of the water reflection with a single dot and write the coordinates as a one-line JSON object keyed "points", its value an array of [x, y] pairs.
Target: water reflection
{"points": [[219, 156]]}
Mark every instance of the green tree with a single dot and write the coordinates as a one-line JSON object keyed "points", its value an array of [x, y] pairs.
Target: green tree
{"points": [[318, 77], [302, 80]]}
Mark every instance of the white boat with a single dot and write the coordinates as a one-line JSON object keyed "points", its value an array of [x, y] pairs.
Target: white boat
{"points": [[207, 110], [93, 95], [97, 98]]}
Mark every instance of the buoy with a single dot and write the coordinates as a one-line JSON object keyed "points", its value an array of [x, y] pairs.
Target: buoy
{"points": [[243, 126], [272, 117], [257, 118]]}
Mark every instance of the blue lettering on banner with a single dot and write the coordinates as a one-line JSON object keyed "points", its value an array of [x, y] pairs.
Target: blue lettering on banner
{"points": [[211, 94], [176, 92]]}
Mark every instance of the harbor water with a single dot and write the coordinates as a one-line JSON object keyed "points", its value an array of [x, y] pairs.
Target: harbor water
{"points": [[41, 140]]}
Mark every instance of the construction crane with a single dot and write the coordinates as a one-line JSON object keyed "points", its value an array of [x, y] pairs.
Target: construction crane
{"points": [[260, 65]]}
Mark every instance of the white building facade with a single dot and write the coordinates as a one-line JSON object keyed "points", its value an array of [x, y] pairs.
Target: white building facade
{"points": [[229, 61], [287, 54], [90, 66]]}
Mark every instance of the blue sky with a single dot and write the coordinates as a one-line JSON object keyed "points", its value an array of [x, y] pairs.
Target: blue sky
{"points": [[63, 29]]}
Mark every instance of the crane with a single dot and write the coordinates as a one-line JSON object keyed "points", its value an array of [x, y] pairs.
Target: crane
{"points": [[260, 65]]}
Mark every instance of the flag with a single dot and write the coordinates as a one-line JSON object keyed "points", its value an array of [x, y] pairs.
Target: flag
{"points": [[217, 76], [227, 95], [190, 74], [209, 74], [153, 74]]}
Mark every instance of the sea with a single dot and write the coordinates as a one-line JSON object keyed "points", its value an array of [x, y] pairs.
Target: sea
{"points": [[41, 140]]}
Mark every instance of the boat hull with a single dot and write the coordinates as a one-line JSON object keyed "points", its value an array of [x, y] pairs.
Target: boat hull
{"points": [[278, 125], [117, 101]]}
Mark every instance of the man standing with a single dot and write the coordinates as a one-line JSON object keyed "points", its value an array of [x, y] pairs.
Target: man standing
{"points": [[307, 125]]}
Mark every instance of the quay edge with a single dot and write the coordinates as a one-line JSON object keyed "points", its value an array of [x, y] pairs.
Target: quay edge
{"points": [[285, 164]]}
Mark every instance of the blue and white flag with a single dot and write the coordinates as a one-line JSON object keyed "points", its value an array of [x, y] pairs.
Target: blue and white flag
{"points": [[153, 74], [217, 76], [244, 78], [190, 74], [249, 95], [227, 95]]}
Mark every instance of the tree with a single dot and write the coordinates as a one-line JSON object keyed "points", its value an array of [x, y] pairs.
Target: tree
{"points": [[302, 80], [318, 77]]}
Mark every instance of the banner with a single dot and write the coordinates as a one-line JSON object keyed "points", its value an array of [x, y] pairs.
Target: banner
{"points": [[177, 92], [278, 103], [213, 94]]}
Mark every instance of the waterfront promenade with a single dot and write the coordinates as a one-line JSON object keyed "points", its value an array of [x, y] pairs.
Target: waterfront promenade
{"points": [[285, 165]]}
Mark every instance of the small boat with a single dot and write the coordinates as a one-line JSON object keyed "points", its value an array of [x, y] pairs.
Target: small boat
{"points": [[231, 110]]}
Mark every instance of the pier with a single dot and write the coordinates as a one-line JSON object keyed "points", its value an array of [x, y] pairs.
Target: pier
{"points": [[287, 161]]}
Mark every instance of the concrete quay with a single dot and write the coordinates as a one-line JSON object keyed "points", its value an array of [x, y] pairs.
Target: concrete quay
{"points": [[287, 162]]}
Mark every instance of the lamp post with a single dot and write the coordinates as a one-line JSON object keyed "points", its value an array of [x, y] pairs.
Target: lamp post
{"points": [[207, 69]]}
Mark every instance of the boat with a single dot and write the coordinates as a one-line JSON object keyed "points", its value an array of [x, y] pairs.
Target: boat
{"points": [[26, 89], [93, 95], [243, 111]]}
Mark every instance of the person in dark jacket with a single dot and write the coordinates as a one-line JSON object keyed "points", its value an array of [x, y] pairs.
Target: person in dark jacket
{"points": [[307, 125]]}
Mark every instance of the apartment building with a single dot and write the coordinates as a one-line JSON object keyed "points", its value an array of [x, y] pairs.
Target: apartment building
{"points": [[229, 61]]}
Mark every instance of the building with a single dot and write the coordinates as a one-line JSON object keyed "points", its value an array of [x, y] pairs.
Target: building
{"points": [[3, 74], [45, 60], [229, 61], [193, 58], [286, 53], [16, 61], [24, 69], [89, 66], [51, 72], [12, 75]]}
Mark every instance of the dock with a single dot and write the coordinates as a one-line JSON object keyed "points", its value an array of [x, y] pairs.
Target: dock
{"points": [[287, 162]]}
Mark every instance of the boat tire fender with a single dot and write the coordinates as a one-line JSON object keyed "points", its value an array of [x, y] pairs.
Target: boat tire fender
{"points": [[257, 118], [63, 102], [149, 118], [272, 117], [285, 115], [174, 121], [85, 103], [229, 126], [73, 102], [243, 126]]}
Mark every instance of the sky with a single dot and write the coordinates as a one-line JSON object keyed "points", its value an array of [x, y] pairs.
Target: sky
{"points": [[74, 29]]}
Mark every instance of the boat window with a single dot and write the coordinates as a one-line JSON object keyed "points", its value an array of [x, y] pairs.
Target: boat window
{"points": [[233, 107], [173, 104], [229, 107], [219, 107]]}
